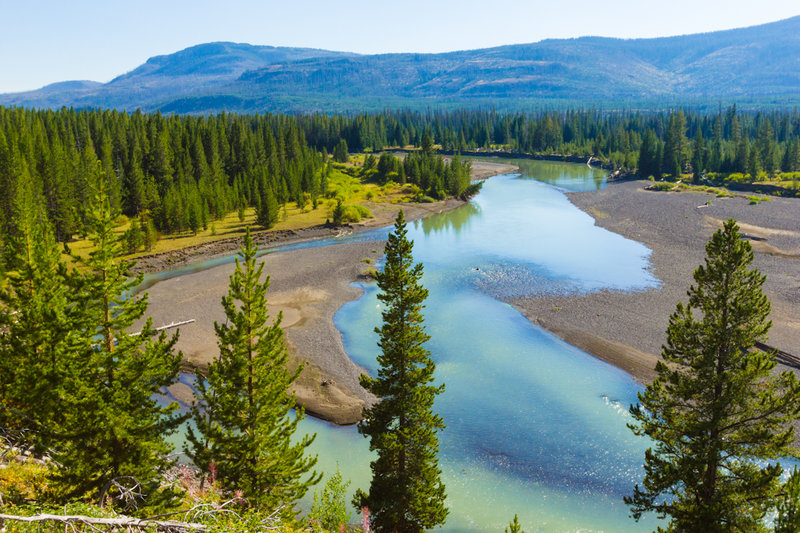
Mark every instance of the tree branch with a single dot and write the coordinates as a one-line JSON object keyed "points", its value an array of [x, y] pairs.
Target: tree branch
{"points": [[167, 526]]}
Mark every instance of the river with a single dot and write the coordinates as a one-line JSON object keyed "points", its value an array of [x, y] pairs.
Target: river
{"points": [[535, 426]]}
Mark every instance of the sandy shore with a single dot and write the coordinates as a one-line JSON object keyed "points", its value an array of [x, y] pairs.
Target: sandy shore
{"points": [[307, 286], [628, 329]]}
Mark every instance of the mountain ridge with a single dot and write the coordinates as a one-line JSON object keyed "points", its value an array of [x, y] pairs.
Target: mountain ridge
{"points": [[757, 63]]}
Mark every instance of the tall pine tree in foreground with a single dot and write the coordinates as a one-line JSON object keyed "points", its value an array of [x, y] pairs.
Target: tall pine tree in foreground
{"points": [[406, 493], [244, 424], [716, 413], [112, 426], [34, 325]]}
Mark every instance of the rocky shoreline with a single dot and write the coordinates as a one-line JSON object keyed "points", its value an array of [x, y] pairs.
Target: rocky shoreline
{"points": [[628, 329]]}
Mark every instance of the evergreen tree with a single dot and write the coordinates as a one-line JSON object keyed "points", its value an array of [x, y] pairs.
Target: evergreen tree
{"points": [[340, 154], [791, 156], [34, 326], [149, 233], [649, 160], [675, 145], [338, 213], [698, 156], [406, 493], [742, 155], [243, 419], [268, 210], [753, 164], [788, 511], [134, 237], [113, 427], [514, 526], [715, 412], [765, 144]]}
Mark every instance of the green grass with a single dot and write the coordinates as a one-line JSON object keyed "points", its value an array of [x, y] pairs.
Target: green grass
{"points": [[344, 183]]}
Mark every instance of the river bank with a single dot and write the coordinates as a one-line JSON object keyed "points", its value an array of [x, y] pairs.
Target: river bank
{"points": [[383, 215], [308, 286], [628, 329]]}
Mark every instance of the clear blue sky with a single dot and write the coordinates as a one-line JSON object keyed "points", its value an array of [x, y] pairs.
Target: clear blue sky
{"points": [[44, 41]]}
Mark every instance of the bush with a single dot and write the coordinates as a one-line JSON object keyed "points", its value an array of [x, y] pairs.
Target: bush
{"points": [[343, 214], [354, 213], [363, 211], [369, 273], [661, 186], [22, 481], [329, 510], [424, 199]]}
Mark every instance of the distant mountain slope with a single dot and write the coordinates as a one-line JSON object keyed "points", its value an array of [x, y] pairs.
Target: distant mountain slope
{"points": [[759, 63], [199, 69]]}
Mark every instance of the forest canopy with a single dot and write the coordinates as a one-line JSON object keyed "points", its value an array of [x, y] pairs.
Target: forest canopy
{"points": [[179, 173]]}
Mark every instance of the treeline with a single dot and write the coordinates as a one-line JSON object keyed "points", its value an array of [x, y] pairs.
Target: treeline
{"points": [[726, 141], [176, 173]]}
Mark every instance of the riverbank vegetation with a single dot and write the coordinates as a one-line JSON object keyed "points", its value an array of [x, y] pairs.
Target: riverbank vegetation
{"points": [[85, 417], [185, 176], [243, 420], [82, 398], [718, 417], [190, 179]]}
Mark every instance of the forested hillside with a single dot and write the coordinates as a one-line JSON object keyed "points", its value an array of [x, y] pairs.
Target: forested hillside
{"points": [[173, 173], [759, 65], [176, 173]]}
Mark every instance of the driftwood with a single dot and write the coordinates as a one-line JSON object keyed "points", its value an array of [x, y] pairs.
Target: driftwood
{"points": [[168, 526]]}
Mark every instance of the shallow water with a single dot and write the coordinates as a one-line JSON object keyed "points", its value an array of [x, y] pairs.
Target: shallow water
{"points": [[534, 426]]}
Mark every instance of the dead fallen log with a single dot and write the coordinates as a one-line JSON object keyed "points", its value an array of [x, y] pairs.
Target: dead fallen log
{"points": [[167, 526]]}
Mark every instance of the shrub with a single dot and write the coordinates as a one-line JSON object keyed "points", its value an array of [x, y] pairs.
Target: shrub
{"points": [[329, 510], [363, 211], [424, 199], [22, 481], [369, 273], [661, 186]]}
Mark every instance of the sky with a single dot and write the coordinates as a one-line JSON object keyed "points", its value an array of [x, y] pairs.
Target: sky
{"points": [[45, 41]]}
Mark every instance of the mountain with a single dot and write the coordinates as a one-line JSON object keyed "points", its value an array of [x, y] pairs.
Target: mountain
{"points": [[759, 64], [201, 69]]}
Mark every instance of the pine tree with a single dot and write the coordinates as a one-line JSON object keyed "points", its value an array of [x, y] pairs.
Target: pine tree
{"points": [[406, 493], [134, 237], [514, 526], [648, 151], [34, 326], [113, 426], [698, 156], [268, 211], [243, 419], [715, 412], [675, 145], [788, 509]]}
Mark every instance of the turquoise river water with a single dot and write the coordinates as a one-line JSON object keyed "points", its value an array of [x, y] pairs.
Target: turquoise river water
{"points": [[535, 426]]}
